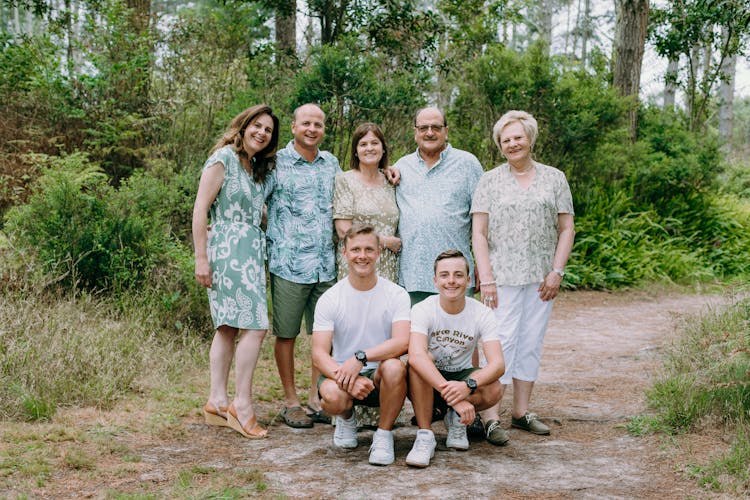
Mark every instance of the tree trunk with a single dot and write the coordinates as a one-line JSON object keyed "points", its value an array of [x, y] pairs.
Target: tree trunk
{"points": [[541, 21], [670, 83], [691, 94], [286, 28], [585, 32], [630, 37], [726, 99], [141, 45]]}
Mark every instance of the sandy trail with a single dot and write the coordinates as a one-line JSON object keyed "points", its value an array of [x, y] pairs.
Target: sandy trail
{"points": [[600, 353]]}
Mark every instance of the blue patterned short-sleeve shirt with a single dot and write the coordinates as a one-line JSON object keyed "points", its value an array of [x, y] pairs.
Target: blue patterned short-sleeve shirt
{"points": [[522, 226], [434, 213], [300, 217]]}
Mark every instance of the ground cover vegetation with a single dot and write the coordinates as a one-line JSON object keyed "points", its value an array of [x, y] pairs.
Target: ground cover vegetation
{"points": [[108, 111]]}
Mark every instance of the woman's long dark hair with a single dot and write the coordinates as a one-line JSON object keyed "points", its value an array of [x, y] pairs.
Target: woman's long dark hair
{"points": [[264, 159]]}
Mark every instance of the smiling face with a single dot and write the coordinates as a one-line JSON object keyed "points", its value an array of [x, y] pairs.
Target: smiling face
{"points": [[452, 278], [515, 144], [308, 127], [257, 134], [369, 150], [430, 132], [361, 251]]}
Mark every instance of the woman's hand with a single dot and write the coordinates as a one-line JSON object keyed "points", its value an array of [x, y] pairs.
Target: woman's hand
{"points": [[488, 290], [550, 286], [203, 272]]}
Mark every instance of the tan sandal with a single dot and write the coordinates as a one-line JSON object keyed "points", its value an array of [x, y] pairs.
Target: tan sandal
{"points": [[250, 430], [212, 416]]}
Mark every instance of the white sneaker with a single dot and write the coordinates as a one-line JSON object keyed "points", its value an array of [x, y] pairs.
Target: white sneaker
{"points": [[423, 449], [345, 434], [456, 439], [381, 451]]}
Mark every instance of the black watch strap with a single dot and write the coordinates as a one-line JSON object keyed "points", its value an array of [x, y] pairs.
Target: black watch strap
{"points": [[361, 357]]}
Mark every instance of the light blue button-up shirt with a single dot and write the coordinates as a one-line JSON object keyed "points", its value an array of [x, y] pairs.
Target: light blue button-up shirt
{"points": [[434, 206], [299, 195]]}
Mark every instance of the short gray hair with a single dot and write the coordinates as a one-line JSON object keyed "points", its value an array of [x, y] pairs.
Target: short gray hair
{"points": [[527, 121]]}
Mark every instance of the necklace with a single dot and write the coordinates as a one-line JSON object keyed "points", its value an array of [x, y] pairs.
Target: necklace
{"points": [[524, 172]]}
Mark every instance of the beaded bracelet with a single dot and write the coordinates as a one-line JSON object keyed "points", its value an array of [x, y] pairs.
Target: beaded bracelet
{"points": [[488, 283]]}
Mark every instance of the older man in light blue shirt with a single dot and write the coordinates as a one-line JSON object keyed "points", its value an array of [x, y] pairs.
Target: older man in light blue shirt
{"points": [[437, 182], [301, 257]]}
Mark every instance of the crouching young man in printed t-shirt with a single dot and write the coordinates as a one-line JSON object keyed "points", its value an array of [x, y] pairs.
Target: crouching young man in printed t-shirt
{"points": [[361, 328], [445, 330]]}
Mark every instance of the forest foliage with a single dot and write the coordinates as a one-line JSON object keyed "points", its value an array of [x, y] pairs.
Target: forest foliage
{"points": [[107, 121]]}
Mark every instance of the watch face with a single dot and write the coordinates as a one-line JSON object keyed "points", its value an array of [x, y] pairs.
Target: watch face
{"points": [[471, 383]]}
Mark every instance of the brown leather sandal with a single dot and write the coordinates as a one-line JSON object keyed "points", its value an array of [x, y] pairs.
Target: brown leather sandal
{"points": [[250, 430], [213, 416]]}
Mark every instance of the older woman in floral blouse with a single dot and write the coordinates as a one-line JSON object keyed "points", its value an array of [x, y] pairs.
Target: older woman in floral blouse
{"points": [[522, 236]]}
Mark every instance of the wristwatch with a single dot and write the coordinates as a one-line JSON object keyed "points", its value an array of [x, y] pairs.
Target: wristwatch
{"points": [[559, 271], [361, 357], [472, 384]]}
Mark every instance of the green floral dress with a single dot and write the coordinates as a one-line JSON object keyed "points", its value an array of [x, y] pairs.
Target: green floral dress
{"points": [[236, 248], [352, 199]]}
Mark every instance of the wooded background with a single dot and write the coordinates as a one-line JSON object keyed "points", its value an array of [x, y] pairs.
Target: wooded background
{"points": [[110, 107]]}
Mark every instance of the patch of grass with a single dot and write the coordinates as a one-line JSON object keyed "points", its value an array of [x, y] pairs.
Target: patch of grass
{"points": [[80, 352], [26, 461], [77, 459], [210, 482], [706, 382]]}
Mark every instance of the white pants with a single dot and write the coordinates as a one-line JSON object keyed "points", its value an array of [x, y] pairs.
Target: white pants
{"points": [[522, 318]]}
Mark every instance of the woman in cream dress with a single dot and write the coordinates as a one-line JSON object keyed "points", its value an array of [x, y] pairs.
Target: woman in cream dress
{"points": [[363, 195]]}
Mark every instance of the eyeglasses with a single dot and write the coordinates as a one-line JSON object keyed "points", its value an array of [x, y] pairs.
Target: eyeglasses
{"points": [[422, 129]]}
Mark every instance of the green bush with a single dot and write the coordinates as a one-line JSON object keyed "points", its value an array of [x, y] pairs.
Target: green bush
{"points": [[88, 236]]}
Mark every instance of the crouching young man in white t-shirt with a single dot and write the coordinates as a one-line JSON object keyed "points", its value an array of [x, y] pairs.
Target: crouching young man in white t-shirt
{"points": [[445, 330], [361, 328]]}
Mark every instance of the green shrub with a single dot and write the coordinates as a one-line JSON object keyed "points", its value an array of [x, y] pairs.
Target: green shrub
{"points": [[88, 236]]}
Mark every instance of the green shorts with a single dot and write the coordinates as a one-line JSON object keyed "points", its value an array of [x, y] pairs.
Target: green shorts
{"points": [[439, 402], [290, 301], [372, 400]]}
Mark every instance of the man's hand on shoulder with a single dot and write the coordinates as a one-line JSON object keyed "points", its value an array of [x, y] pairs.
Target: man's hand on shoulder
{"points": [[392, 175]]}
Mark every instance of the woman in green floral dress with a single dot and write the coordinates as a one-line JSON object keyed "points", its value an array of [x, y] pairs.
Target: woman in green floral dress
{"points": [[229, 260]]}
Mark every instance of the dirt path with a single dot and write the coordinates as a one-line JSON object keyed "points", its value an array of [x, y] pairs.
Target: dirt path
{"points": [[600, 353]]}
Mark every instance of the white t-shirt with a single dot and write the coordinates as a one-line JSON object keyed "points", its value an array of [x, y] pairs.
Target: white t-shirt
{"points": [[360, 320], [453, 337]]}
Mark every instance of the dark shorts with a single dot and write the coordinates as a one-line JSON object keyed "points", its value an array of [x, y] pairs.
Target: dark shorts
{"points": [[290, 301], [372, 400], [439, 402]]}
